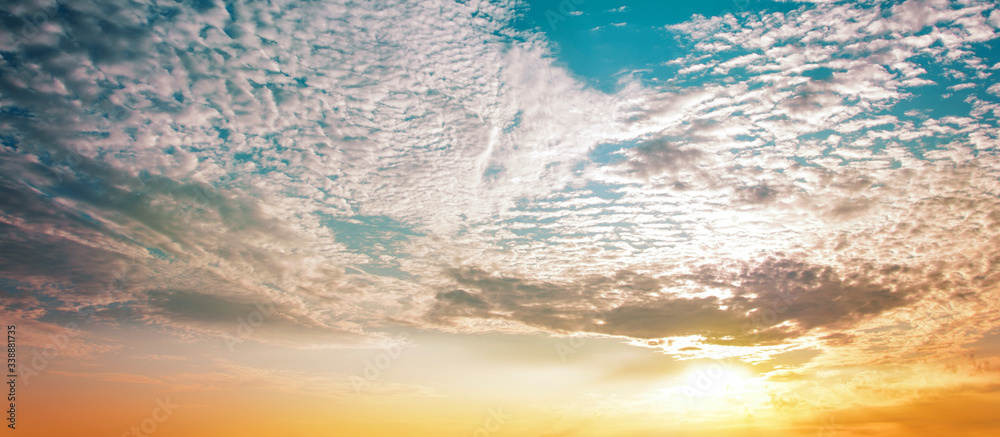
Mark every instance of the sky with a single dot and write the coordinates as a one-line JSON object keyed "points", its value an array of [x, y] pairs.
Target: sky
{"points": [[509, 218]]}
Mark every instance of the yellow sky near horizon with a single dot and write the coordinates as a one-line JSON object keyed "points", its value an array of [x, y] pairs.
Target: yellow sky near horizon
{"points": [[438, 384]]}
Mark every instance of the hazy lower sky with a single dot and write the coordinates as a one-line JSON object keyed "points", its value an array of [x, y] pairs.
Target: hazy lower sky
{"points": [[510, 218]]}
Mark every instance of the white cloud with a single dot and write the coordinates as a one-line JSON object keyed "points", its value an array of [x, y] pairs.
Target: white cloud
{"points": [[429, 114]]}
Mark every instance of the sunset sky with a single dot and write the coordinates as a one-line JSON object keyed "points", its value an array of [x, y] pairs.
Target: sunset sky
{"points": [[511, 218]]}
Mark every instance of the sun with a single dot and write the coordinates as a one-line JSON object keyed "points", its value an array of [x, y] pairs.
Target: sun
{"points": [[717, 380]]}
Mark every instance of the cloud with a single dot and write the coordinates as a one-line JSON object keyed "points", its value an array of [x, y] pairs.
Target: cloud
{"points": [[769, 302], [199, 158], [660, 156]]}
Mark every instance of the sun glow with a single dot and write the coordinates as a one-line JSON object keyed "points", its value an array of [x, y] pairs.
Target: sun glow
{"points": [[718, 380], [719, 388]]}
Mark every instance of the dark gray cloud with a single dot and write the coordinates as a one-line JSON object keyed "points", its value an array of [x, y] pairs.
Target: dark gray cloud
{"points": [[756, 194], [82, 235], [201, 307], [661, 156], [221, 312], [763, 298], [32, 248], [458, 303]]}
